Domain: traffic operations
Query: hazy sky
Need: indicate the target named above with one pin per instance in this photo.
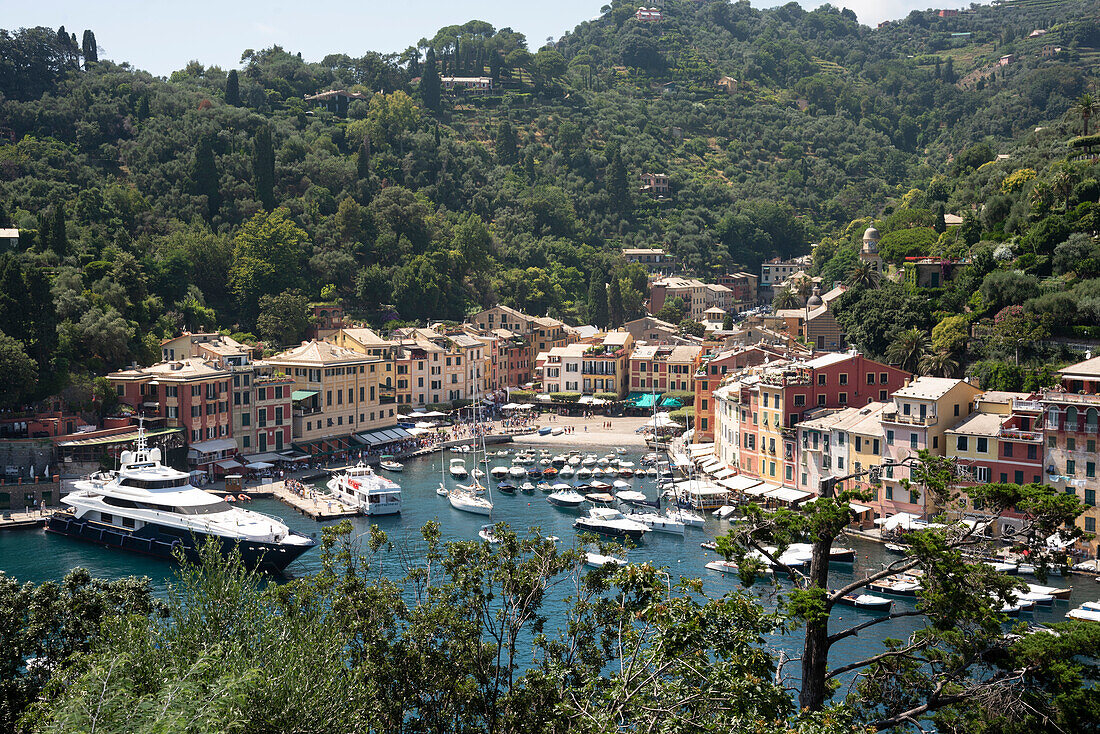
(162, 36)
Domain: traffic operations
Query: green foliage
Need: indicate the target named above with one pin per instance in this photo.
(19, 370)
(565, 397)
(267, 257)
(285, 317)
(897, 245)
(873, 318)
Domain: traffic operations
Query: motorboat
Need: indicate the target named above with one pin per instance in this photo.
(517, 472)
(574, 460)
(836, 555)
(545, 430)
(725, 512)
(527, 487)
(498, 472)
(478, 474)
(609, 521)
(729, 567)
(370, 493)
(584, 473)
(897, 585)
(390, 464)
(558, 430)
(442, 490)
(597, 560)
(558, 461)
(1083, 613)
(544, 487)
(468, 498)
(147, 507)
(599, 486)
(1029, 569)
(1057, 593)
(565, 498)
(486, 534)
(589, 460)
(901, 550)
(869, 602)
(457, 467)
(659, 523)
(620, 484)
(506, 488)
(566, 471)
(600, 498)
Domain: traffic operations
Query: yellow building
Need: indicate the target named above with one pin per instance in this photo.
(336, 392)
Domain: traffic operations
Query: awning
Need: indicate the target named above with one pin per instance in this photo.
(294, 456)
(858, 509)
(229, 464)
(711, 465)
(260, 465)
(906, 520)
(268, 457)
(303, 394)
(681, 461)
(739, 483)
(671, 403)
(382, 436)
(724, 473)
(120, 437)
(698, 449)
(786, 494)
(214, 446)
(762, 489)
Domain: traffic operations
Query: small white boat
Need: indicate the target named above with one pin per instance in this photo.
(558, 430)
(517, 472)
(574, 460)
(441, 490)
(558, 461)
(866, 601)
(729, 567)
(499, 472)
(620, 484)
(527, 487)
(1028, 569)
(596, 560)
(632, 497)
(478, 474)
(599, 486)
(486, 534)
(1090, 615)
(609, 521)
(589, 460)
(566, 471)
(584, 473)
(565, 498)
(389, 464)
(457, 467)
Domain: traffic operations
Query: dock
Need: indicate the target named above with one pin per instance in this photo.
(22, 520)
(318, 508)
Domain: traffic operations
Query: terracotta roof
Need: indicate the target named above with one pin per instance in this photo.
(319, 353)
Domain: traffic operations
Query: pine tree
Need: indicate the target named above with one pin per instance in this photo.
(204, 176)
(614, 302)
(597, 299)
(263, 167)
(429, 83)
(91, 52)
(232, 89)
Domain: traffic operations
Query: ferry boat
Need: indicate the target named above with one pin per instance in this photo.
(147, 507)
(371, 493)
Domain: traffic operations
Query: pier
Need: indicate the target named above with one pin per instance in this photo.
(20, 520)
(316, 507)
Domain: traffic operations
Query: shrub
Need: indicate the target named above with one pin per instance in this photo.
(565, 397)
(609, 396)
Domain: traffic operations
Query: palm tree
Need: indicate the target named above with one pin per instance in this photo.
(908, 348)
(938, 364)
(785, 298)
(803, 287)
(864, 274)
(1084, 106)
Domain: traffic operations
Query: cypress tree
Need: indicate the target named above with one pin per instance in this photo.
(941, 220)
(429, 83)
(58, 234)
(5, 221)
(204, 176)
(91, 52)
(506, 143)
(618, 184)
(14, 314)
(614, 302)
(949, 71)
(362, 163)
(597, 300)
(232, 89)
(263, 167)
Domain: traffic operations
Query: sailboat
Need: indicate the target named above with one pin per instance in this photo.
(472, 497)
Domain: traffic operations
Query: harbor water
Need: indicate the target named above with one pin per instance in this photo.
(32, 555)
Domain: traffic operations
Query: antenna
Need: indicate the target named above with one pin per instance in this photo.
(141, 445)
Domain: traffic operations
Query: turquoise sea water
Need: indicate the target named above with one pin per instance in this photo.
(31, 555)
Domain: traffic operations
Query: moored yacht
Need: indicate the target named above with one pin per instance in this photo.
(609, 521)
(147, 507)
(372, 494)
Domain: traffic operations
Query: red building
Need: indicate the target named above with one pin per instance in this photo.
(711, 370)
(773, 400)
(192, 394)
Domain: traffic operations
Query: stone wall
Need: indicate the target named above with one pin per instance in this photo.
(21, 496)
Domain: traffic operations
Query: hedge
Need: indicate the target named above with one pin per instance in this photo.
(565, 397)
(609, 396)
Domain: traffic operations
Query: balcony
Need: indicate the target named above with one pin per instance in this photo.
(1075, 398)
(1026, 406)
(1018, 435)
(300, 412)
(911, 420)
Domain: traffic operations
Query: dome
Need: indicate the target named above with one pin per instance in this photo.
(814, 300)
(870, 234)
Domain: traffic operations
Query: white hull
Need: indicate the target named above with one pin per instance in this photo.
(470, 503)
